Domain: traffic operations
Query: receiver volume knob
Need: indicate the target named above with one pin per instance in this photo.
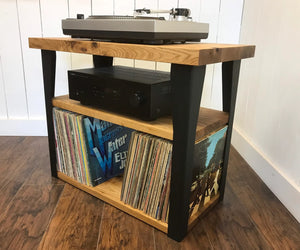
(136, 99)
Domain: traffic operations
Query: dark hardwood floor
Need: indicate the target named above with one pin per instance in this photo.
(41, 212)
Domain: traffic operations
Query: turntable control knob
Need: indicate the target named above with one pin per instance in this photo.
(136, 99)
(80, 16)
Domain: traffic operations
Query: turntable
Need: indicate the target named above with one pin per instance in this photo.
(139, 28)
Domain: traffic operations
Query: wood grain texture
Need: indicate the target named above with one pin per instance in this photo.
(75, 224)
(123, 232)
(209, 120)
(188, 54)
(275, 223)
(19, 164)
(110, 192)
(197, 238)
(27, 199)
(25, 220)
(229, 218)
(165, 243)
(250, 217)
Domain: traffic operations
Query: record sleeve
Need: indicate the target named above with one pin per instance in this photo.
(107, 148)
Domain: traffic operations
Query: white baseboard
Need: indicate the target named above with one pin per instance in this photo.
(16, 127)
(284, 188)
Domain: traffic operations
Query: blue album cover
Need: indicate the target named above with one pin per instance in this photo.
(107, 146)
(207, 169)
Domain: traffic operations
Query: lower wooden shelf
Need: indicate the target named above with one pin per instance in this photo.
(110, 192)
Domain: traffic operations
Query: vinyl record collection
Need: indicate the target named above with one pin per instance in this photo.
(92, 151)
(146, 181)
(89, 150)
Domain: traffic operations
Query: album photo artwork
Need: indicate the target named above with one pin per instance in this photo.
(207, 167)
(107, 148)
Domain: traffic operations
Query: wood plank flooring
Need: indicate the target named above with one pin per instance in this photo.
(41, 212)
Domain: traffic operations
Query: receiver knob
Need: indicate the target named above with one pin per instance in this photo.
(136, 99)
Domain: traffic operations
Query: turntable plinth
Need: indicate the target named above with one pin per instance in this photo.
(189, 54)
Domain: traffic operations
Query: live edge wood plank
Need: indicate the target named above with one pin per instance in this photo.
(188, 54)
(209, 120)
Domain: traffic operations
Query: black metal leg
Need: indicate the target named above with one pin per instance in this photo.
(102, 61)
(187, 84)
(49, 63)
(230, 79)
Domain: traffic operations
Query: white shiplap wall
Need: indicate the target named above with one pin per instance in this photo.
(22, 110)
(267, 119)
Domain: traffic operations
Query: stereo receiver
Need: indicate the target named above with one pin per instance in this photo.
(142, 93)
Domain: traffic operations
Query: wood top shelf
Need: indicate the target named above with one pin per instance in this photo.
(209, 120)
(189, 54)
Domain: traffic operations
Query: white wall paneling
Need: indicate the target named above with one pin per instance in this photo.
(163, 67)
(3, 107)
(268, 101)
(209, 13)
(52, 12)
(207, 87)
(79, 61)
(123, 62)
(30, 26)
(102, 7)
(123, 7)
(12, 61)
(167, 4)
(43, 18)
(230, 18)
(145, 64)
(228, 31)
(80, 7)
